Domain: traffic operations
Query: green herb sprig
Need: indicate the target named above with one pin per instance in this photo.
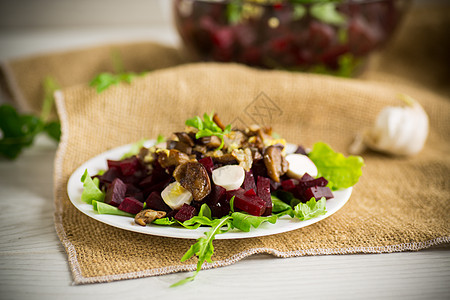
(207, 127)
(17, 131)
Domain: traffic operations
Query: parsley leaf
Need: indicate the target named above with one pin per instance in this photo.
(17, 131)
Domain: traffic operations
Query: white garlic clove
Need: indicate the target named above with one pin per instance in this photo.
(397, 130)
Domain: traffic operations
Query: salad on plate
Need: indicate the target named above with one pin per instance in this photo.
(213, 176)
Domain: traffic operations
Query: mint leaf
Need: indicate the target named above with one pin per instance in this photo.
(90, 189)
(310, 209)
(244, 222)
(341, 172)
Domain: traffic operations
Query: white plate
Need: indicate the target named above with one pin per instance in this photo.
(94, 165)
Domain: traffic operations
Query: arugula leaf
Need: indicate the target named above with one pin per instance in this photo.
(244, 221)
(204, 248)
(164, 221)
(134, 149)
(106, 209)
(280, 208)
(90, 189)
(310, 209)
(341, 172)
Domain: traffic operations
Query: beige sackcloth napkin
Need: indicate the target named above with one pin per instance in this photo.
(400, 204)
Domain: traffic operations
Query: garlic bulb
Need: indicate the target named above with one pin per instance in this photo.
(397, 130)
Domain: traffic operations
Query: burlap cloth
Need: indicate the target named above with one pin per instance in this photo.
(400, 204)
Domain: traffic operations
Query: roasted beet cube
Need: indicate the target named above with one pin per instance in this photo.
(250, 192)
(110, 175)
(129, 166)
(253, 205)
(318, 192)
(208, 163)
(306, 177)
(113, 164)
(289, 184)
(218, 202)
(115, 192)
(131, 205)
(314, 182)
(155, 202)
(249, 181)
(300, 150)
(185, 213)
(263, 188)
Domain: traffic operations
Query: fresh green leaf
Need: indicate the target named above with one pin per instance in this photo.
(134, 149)
(205, 211)
(105, 80)
(204, 248)
(90, 189)
(280, 208)
(207, 127)
(327, 13)
(53, 129)
(234, 11)
(160, 139)
(232, 204)
(244, 221)
(106, 209)
(195, 122)
(164, 221)
(341, 172)
(310, 209)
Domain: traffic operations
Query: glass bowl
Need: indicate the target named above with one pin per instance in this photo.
(333, 37)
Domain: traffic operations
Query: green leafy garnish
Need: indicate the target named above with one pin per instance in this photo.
(244, 221)
(17, 131)
(104, 80)
(327, 13)
(341, 172)
(204, 248)
(164, 221)
(91, 191)
(160, 139)
(103, 208)
(310, 209)
(134, 149)
(207, 127)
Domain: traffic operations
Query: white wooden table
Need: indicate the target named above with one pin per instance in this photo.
(33, 263)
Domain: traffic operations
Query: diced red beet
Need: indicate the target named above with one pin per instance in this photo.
(300, 150)
(249, 181)
(113, 164)
(274, 185)
(250, 192)
(131, 205)
(155, 202)
(218, 202)
(110, 175)
(253, 205)
(318, 192)
(314, 182)
(259, 168)
(156, 188)
(306, 177)
(115, 192)
(263, 188)
(185, 213)
(208, 163)
(289, 184)
(129, 166)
